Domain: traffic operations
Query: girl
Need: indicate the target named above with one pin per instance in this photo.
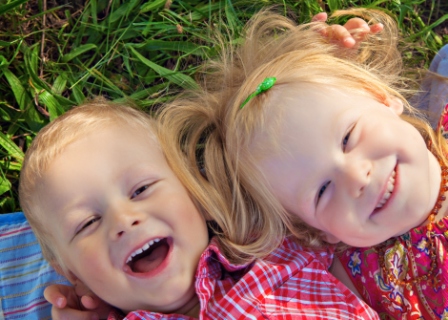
(326, 141)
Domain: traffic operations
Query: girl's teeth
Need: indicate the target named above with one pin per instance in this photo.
(390, 188)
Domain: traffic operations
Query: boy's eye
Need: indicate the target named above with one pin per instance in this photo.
(88, 223)
(139, 190)
(321, 191)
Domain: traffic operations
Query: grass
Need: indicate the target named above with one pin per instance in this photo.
(55, 55)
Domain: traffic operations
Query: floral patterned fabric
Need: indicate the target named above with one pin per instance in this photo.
(405, 257)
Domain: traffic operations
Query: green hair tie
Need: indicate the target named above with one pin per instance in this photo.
(267, 84)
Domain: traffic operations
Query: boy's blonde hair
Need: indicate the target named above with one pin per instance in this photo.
(274, 46)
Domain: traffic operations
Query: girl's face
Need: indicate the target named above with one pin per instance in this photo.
(349, 165)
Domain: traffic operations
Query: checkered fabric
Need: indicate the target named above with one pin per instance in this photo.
(291, 283)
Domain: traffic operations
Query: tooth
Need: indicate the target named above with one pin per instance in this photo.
(390, 187)
(143, 248)
(386, 196)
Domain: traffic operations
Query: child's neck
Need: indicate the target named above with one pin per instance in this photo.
(194, 311)
(192, 308)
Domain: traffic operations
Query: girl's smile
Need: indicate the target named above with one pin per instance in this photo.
(388, 191)
(347, 164)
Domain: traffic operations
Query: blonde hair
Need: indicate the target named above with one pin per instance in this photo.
(275, 46)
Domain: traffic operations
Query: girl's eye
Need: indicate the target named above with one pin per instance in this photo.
(322, 190)
(139, 190)
(345, 140)
(88, 223)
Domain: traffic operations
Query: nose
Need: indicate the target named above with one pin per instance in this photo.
(355, 175)
(122, 219)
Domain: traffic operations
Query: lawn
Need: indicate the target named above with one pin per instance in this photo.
(56, 54)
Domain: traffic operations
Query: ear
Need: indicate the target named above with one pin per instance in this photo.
(66, 273)
(395, 105)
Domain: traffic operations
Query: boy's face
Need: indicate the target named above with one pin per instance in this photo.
(111, 195)
(350, 166)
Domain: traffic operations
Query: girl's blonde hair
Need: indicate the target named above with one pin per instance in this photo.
(217, 132)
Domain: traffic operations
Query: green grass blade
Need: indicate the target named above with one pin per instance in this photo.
(78, 51)
(178, 78)
(53, 107)
(17, 89)
(15, 166)
(7, 7)
(60, 83)
(5, 185)
(12, 149)
(152, 6)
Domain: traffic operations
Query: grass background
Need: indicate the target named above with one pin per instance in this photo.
(55, 54)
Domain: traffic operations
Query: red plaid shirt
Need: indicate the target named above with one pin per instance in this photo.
(291, 283)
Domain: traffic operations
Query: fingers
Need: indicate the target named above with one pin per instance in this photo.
(68, 305)
(357, 24)
(56, 295)
(89, 302)
(72, 314)
(320, 17)
(352, 33)
(92, 302)
(376, 28)
(359, 29)
(341, 35)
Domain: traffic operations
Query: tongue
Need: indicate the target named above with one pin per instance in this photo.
(152, 261)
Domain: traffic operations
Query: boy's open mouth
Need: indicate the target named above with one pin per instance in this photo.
(149, 256)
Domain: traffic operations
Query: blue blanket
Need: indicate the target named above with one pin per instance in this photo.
(24, 273)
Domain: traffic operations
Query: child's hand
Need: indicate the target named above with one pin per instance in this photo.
(76, 303)
(351, 34)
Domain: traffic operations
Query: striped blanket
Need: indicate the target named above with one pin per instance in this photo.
(24, 273)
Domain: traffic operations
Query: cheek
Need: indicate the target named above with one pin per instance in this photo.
(90, 259)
